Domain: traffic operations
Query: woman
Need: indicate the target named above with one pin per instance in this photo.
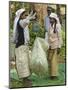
(21, 40)
(55, 42)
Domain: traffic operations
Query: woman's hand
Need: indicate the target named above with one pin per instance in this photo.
(33, 17)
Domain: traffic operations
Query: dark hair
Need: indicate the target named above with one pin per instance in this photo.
(49, 8)
(22, 14)
(55, 26)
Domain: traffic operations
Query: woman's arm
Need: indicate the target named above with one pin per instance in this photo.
(30, 16)
(52, 39)
(23, 23)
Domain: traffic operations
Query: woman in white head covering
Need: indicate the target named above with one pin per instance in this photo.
(20, 38)
(55, 42)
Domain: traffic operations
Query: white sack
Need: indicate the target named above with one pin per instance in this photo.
(38, 62)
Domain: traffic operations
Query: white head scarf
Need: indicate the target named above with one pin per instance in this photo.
(54, 15)
(18, 13)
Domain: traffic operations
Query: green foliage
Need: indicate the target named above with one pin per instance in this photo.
(62, 50)
(44, 81)
(33, 34)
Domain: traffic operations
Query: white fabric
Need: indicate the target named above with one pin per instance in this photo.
(22, 61)
(18, 13)
(26, 29)
(14, 29)
(55, 39)
(53, 15)
(38, 62)
(26, 35)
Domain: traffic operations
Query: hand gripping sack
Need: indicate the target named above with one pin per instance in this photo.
(38, 62)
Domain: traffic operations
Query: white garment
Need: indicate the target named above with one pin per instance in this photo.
(54, 15)
(22, 61)
(18, 13)
(55, 39)
(25, 23)
(14, 30)
(26, 35)
(58, 28)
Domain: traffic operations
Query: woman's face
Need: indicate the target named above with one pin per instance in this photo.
(49, 12)
(52, 20)
(24, 15)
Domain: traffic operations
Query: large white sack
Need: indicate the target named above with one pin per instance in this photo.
(38, 61)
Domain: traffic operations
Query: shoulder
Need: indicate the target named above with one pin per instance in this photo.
(21, 21)
(58, 25)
